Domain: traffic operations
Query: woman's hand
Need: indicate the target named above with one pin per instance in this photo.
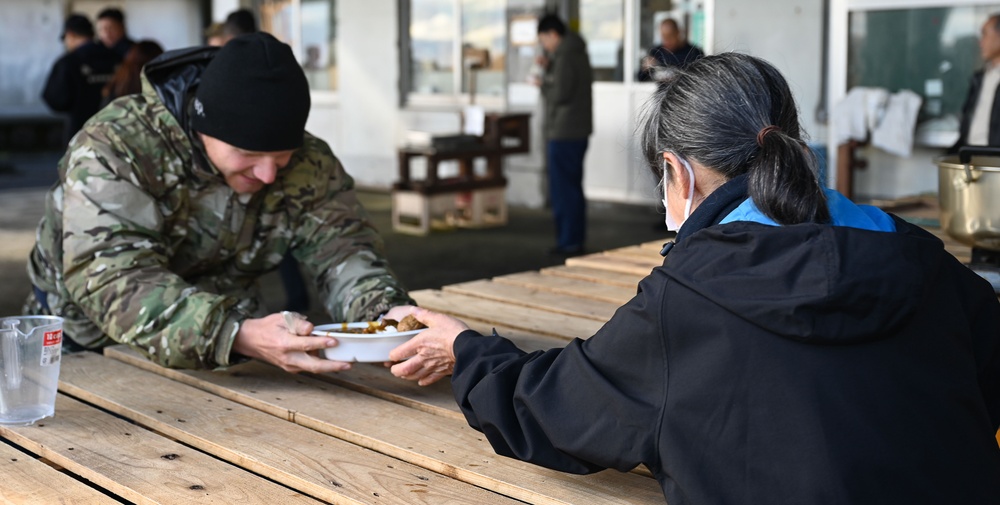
(290, 347)
(431, 353)
(399, 312)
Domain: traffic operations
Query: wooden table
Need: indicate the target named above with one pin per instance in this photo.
(130, 429)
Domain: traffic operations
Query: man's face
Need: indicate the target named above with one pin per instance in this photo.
(669, 37)
(245, 171)
(109, 31)
(989, 40)
(72, 41)
(549, 40)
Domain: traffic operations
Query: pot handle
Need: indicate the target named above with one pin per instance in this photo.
(965, 153)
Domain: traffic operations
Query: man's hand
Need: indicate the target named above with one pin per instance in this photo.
(270, 339)
(542, 61)
(431, 353)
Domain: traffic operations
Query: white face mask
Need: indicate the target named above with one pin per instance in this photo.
(671, 225)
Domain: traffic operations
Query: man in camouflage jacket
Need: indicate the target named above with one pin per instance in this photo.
(172, 203)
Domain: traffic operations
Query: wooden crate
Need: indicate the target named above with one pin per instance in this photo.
(417, 213)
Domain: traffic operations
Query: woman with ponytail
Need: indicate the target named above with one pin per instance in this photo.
(793, 347)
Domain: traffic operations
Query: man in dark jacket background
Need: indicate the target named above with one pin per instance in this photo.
(673, 51)
(75, 82)
(981, 113)
(112, 33)
(566, 89)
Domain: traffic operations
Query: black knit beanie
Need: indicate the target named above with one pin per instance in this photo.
(253, 95)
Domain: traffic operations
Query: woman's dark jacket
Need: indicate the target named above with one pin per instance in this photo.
(810, 364)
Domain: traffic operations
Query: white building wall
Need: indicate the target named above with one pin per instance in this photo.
(29, 45)
(787, 33)
(368, 113)
(222, 8)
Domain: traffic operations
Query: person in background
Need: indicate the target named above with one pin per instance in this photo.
(980, 124)
(794, 347)
(127, 79)
(111, 31)
(673, 52)
(75, 82)
(214, 35)
(173, 203)
(566, 88)
(238, 22)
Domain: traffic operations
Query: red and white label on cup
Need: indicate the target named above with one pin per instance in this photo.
(51, 347)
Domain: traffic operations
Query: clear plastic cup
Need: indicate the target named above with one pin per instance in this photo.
(30, 352)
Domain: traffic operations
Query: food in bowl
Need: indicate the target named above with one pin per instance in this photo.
(409, 323)
(367, 341)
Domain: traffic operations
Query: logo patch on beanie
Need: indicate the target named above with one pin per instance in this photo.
(199, 108)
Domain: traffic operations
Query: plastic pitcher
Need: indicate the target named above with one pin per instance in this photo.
(30, 351)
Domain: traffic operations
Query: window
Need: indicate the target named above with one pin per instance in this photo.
(930, 51)
(602, 25)
(310, 27)
(432, 46)
(457, 47)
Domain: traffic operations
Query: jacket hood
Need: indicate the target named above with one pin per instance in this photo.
(174, 76)
(815, 283)
(818, 283)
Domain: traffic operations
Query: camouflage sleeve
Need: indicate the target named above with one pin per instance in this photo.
(116, 257)
(337, 243)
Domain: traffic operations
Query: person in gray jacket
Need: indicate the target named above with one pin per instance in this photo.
(566, 88)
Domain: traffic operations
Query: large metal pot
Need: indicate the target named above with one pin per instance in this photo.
(969, 195)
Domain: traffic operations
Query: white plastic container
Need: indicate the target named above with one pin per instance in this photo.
(361, 347)
(30, 352)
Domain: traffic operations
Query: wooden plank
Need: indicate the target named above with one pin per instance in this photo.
(522, 318)
(567, 285)
(300, 458)
(369, 378)
(596, 275)
(439, 444)
(638, 252)
(612, 264)
(560, 303)
(136, 464)
(27, 481)
(633, 256)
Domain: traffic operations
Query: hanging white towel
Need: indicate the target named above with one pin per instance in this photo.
(894, 133)
(858, 113)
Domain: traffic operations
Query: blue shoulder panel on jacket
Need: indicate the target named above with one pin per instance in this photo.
(843, 211)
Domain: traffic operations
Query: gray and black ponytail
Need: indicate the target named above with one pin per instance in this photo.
(735, 114)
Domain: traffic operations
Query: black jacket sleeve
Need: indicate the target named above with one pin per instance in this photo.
(59, 93)
(984, 322)
(592, 405)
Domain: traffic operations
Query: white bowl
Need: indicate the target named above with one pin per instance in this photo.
(362, 347)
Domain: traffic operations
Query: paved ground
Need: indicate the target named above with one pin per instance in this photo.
(421, 262)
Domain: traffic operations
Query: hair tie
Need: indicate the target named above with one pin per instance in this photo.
(763, 133)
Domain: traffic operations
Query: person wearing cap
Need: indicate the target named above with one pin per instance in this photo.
(75, 82)
(111, 31)
(174, 202)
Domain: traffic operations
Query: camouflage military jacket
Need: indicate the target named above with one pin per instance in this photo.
(143, 243)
